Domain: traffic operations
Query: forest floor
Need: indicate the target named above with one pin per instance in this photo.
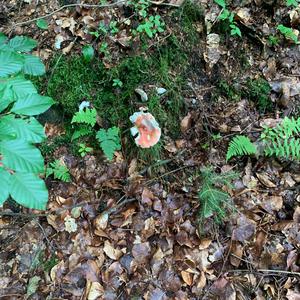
(132, 228)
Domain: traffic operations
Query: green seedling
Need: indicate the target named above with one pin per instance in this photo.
(84, 149)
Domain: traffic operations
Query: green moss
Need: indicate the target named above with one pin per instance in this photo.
(228, 90)
(71, 80)
(258, 90)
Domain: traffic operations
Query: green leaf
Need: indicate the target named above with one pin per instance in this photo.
(5, 185)
(292, 3)
(31, 105)
(109, 141)
(87, 116)
(19, 155)
(29, 130)
(42, 24)
(22, 44)
(33, 66)
(10, 63)
(6, 133)
(3, 38)
(29, 190)
(80, 132)
(21, 87)
(88, 53)
(222, 3)
(6, 96)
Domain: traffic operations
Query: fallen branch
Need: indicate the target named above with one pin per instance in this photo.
(275, 272)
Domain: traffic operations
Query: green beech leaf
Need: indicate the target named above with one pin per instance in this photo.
(88, 53)
(4, 183)
(3, 38)
(19, 155)
(22, 44)
(29, 190)
(33, 66)
(6, 132)
(222, 3)
(29, 130)
(42, 24)
(10, 63)
(31, 105)
(21, 87)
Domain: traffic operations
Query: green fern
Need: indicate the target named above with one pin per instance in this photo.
(282, 141)
(240, 145)
(59, 171)
(214, 201)
(109, 141)
(82, 131)
(87, 116)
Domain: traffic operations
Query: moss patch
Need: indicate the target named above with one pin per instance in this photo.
(72, 81)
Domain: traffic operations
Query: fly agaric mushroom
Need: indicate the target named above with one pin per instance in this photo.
(146, 128)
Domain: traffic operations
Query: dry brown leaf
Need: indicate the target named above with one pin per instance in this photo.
(101, 221)
(265, 180)
(187, 277)
(237, 251)
(186, 123)
(111, 252)
(95, 291)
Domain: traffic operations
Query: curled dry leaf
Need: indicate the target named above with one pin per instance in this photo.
(265, 180)
(101, 221)
(186, 123)
(141, 252)
(187, 277)
(111, 252)
(95, 291)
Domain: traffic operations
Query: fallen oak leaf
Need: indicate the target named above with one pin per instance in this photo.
(111, 252)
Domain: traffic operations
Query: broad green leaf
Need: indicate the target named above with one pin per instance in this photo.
(6, 132)
(3, 38)
(222, 3)
(4, 184)
(88, 53)
(22, 87)
(31, 105)
(42, 24)
(29, 130)
(10, 63)
(19, 155)
(29, 190)
(22, 44)
(6, 97)
(33, 66)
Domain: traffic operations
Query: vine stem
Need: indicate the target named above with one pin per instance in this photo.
(88, 6)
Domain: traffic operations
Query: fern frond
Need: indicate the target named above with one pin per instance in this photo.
(87, 116)
(240, 145)
(83, 131)
(214, 201)
(59, 171)
(211, 199)
(282, 141)
(109, 141)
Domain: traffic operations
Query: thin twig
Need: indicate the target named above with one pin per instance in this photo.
(275, 272)
(118, 206)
